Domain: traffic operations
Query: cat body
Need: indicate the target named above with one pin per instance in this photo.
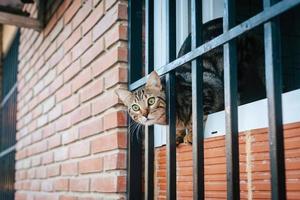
(147, 105)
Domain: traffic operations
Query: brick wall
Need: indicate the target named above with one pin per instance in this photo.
(71, 134)
(254, 166)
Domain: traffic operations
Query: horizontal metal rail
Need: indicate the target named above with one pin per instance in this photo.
(11, 91)
(236, 31)
(7, 151)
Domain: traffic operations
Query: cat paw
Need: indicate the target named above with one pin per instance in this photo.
(188, 138)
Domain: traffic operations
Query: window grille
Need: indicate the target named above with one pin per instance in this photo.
(268, 17)
(8, 121)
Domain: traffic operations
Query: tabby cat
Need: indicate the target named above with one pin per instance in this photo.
(147, 105)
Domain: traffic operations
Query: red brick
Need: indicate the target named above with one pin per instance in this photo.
(48, 130)
(47, 186)
(81, 46)
(110, 100)
(95, 16)
(54, 141)
(118, 32)
(115, 119)
(108, 20)
(70, 136)
(61, 154)
(92, 90)
(55, 113)
(65, 62)
(47, 158)
(109, 4)
(61, 184)
(53, 170)
(92, 53)
(73, 39)
(83, 78)
(117, 75)
(91, 165)
(115, 161)
(81, 113)
(31, 173)
(82, 13)
(36, 161)
(70, 104)
(80, 149)
(71, 71)
(109, 142)
(35, 185)
(41, 172)
(50, 25)
(66, 197)
(20, 195)
(79, 184)
(91, 128)
(108, 59)
(62, 8)
(63, 92)
(72, 11)
(69, 169)
(109, 184)
(46, 196)
(36, 136)
(63, 123)
(57, 83)
(38, 148)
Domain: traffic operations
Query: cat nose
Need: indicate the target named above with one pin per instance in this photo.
(145, 113)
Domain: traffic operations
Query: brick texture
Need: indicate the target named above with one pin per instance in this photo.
(254, 166)
(70, 128)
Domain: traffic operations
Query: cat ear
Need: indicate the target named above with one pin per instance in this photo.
(153, 82)
(124, 95)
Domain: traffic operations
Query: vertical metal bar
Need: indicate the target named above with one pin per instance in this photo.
(274, 90)
(134, 156)
(231, 114)
(135, 21)
(171, 137)
(171, 96)
(149, 131)
(197, 87)
(149, 36)
(149, 163)
(134, 163)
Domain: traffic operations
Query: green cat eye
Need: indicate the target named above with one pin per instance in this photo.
(135, 107)
(151, 101)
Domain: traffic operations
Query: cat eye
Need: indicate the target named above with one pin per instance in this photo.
(151, 101)
(135, 107)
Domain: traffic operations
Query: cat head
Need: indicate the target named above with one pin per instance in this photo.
(147, 105)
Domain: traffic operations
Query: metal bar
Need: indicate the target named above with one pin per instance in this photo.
(135, 20)
(197, 102)
(149, 163)
(7, 151)
(171, 96)
(149, 131)
(149, 36)
(274, 90)
(171, 137)
(134, 156)
(134, 163)
(247, 25)
(11, 91)
(230, 101)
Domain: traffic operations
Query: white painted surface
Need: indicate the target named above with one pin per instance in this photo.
(212, 9)
(255, 115)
